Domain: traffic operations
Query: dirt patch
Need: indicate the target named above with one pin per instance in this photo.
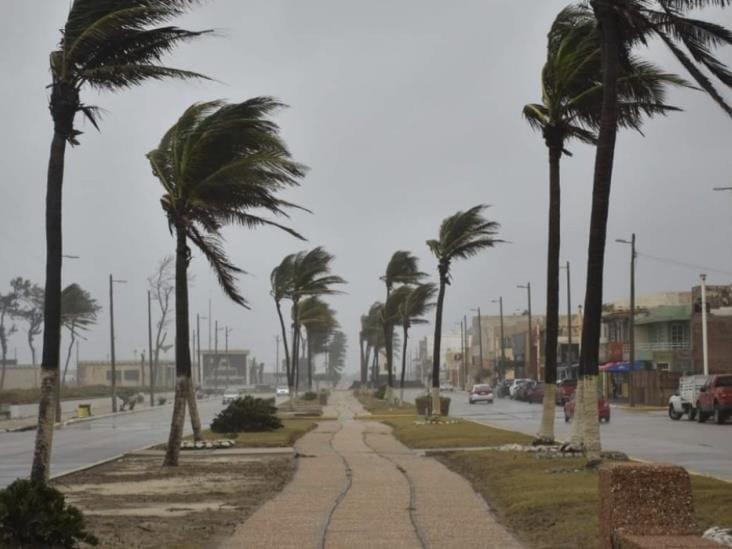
(134, 502)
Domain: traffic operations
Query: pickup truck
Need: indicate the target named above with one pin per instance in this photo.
(715, 399)
(684, 400)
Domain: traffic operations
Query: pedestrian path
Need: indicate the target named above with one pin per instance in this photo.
(357, 487)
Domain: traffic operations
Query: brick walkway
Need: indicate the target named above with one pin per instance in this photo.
(357, 487)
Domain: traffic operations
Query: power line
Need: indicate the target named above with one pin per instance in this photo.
(693, 266)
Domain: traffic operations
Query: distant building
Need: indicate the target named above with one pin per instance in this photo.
(21, 376)
(129, 373)
(719, 329)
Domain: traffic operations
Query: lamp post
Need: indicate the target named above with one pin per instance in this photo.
(569, 318)
(112, 281)
(149, 350)
(503, 340)
(530, 353)
(462, 350)
(631, 335)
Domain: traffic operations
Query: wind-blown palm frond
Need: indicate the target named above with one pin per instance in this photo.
(464, 234)
(221, 164)
(417, 303)
(402, 269)
(78, 308)
(311, 274)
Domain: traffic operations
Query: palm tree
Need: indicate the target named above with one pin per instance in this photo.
(462, 236)
(624, 25)
(281, 283)
(78, 313)
(570, 110)
(217, 164)
(336, 349)
(318, 319)
(311, 276)
(401, 269)
(107, 45)
(415, 303)
(373, 334)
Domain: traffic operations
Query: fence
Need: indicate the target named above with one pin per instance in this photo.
(653, 387)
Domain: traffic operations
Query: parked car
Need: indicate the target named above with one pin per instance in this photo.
(446, 386)
(282, 391)
(230, 395)
(480, 393)
(603, 409)
(534, 393)
(565, 389)
(523, 390)
(501, 390)
(517, 383)
(715, 399)
(684, 400)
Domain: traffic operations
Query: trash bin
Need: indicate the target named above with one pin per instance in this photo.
(83, 410)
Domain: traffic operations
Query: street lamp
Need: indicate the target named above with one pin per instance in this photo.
(112, 281)
(633, 256)
(569, 318)
(530, 357)
(503, 341)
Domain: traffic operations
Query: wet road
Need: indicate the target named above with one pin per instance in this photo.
(652, 436)
(88, 442)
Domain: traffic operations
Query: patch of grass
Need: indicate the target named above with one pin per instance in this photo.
(381, 407)
(553, 504)
(451, 435)
(292, 430)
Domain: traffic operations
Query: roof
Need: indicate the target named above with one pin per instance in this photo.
(664, 313)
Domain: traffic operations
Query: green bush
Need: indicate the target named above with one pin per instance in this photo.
(248, 414)
(380, 392)
(310, 396)
(33, 514)
(424, 405)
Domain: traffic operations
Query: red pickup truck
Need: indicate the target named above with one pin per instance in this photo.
(715, 399)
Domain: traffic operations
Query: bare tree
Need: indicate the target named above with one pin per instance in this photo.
(30, 309)
(162, 285)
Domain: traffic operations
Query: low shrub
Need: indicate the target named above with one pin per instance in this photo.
(33, 514)
(162, 400)
(424, 405)
(380, 392)
(309, 396)
(248, 414)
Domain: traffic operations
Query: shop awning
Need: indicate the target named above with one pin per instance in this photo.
(620, 367)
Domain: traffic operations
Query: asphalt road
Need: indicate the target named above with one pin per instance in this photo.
(85, 443)
(646, 435)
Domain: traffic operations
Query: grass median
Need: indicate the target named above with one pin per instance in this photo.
(548, 503)
(292, 429)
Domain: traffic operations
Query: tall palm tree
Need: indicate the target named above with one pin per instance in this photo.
(570, 110)
(462, 236)
(336, 349)
(281, 283)
(311, 276)
(415, 304)
(107, 45)
(219, 164)
(374, 336)
(78, 313)
(318, 319)
(625, 24)
(401, 269)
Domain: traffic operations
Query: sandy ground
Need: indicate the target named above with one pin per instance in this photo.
(133, 502)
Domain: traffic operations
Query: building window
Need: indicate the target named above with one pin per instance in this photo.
(679, 334)
(118, 375)
(663, 366)
(132, 375)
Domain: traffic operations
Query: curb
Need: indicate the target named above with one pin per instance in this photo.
(100, 462)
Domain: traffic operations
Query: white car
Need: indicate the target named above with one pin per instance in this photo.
(282, 391)
(446, 386)
(516, 384)
(480, 393)
(230, 395)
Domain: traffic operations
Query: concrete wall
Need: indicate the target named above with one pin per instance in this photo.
(22, 377)
(719, 337)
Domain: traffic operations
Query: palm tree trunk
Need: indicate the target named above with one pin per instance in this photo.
(310, 366)
(367, 360)
(546, 432)
(404, 364)
(438, 337)
(182, 351)
(362, 356)
(193, 412)
(604, 156)
(288, 368)
(4, 359)
(59, 386)
(63, 114)
(389, 350)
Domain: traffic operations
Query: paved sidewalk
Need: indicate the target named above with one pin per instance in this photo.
(357, 487)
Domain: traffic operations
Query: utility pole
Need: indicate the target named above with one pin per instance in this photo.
(111, 343)
(529, 354)
(631, 318)
(503, 339)
(209, 324)
(569, 320)
(468, 354)
(216, 349)
(705, 343)
(149, 350)
(277, 360)
(462, 350)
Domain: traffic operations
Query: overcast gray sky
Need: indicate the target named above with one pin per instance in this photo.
(405, 111)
